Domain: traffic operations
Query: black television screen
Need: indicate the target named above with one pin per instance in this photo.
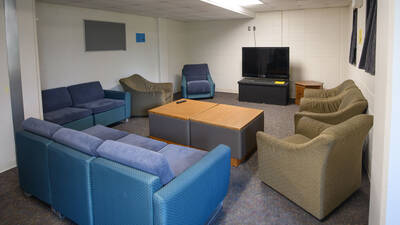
(104, 36)
(266, 62)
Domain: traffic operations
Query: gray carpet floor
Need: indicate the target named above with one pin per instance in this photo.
(249, 201)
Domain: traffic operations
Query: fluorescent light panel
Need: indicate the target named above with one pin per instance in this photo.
(237, 6)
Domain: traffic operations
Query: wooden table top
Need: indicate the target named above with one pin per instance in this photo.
(309, 83)
(227, 116)
(183, 110)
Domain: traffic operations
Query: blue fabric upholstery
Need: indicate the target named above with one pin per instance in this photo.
(202, 187)
(121, 194)
(105, 133)
(86, 92)
(78, 140)
(110, 116)
(102, 105)
(56, 98)
(198, 87)
(80, 124)
(138, 158)
(180, 157)
(144, 142)
(32, 160)
(194, 86)
(40, 127)
(66, 115)
(195, 72)
(126, 96)
(70, 183)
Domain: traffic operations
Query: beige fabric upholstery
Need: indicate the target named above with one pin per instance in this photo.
(318, 174)
(333, 110)
(327, 93)
(145, 94)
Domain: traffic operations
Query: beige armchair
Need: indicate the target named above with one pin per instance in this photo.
(333, 110)
(327, 93)
(145, 94)
(317, 168)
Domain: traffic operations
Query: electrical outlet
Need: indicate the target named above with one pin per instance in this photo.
(249, 28)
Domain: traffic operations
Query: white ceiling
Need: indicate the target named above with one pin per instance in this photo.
(190, 10)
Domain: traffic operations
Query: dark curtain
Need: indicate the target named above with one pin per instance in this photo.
(367, 60)
(353, 43)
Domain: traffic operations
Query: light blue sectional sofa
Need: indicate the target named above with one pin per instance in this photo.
(105, 176)
(84, 105)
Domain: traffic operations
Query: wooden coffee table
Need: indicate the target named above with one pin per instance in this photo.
(171, 121)
(205, 125)
(230, 125)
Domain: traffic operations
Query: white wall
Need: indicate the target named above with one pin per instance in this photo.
(29, 61)
(315, 38)
(7, 150)
(63, 60)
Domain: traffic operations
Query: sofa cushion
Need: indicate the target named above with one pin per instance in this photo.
(144, 142)
(195, 72)
(66, 115)
(86, 92)
(102, 105)
(297, 139)
(40, 127)
(56, 98)
(78, 140)
(138, 158)
(198, 87)
(105, 133)
(181, 158)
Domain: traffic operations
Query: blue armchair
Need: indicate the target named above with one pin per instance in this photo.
(197, 82)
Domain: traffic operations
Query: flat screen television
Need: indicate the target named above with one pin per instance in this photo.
(104, 36)
(265, 62)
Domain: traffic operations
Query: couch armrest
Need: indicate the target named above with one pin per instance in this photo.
(120, 95)
(192, 197)
(184, 87)
(320, 105)
(212, 84)
(310, 128)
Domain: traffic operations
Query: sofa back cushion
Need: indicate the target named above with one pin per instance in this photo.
(40, 127)
(195, 72)
(138, 158)
(56, 98)
(350, 97)
(78, 140)
(86, 92)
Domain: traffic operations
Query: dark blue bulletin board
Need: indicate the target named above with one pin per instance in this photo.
(140, 37)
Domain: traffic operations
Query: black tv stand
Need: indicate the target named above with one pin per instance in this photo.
(264, 90)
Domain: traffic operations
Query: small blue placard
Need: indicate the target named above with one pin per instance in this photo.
(140, 37)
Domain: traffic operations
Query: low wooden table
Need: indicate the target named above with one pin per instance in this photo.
(205, 125)
(171, 121)
(301, 85)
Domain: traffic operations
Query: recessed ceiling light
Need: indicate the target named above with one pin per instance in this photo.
(248, 2)
(238, 6)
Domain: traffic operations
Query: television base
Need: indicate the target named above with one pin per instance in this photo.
(264, 90)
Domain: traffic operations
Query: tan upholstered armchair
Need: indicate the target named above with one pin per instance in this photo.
(317, 168)
(327, 93)
(145, 94)
(333, 110)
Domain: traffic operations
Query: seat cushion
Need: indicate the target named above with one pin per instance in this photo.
(195, 72)
(144, 142)
(86, 92)
(105, 133)
(138, 158)
(78, 140)
(40, 127)
(198, 87)
(297, 139)
(66, 115)
(102, 105)
(56, 98)
(181, 158)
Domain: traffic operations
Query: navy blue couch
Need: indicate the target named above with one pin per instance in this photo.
(197, 82)
(105, 176)
(83, 105)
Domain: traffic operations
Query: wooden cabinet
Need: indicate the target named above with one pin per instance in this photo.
(301, 85)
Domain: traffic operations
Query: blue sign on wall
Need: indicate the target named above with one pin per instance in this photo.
(140, 37)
